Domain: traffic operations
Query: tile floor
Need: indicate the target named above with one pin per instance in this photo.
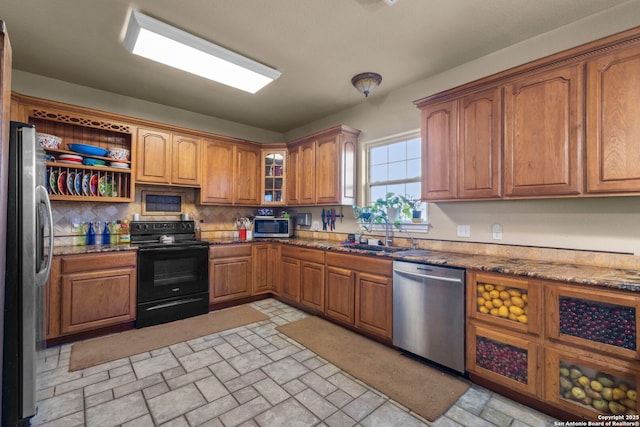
(248, 376)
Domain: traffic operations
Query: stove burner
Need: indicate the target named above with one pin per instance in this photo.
(162, 233)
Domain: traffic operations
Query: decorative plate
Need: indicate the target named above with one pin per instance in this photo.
(62, 183)
(53, 182)
(70, 183)
(86, 184)
(78, 183)
(93, 185)
(106, 186)
(91, 150)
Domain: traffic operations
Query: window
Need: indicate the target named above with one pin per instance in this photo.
(394, 166)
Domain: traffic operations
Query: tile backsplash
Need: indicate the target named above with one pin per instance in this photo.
(215, 221)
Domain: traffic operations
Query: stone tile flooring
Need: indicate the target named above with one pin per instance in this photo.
(247, 376)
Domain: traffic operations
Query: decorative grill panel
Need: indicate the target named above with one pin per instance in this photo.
(81, 121)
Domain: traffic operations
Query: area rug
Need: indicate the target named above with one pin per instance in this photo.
(106, 349)
(426, 391)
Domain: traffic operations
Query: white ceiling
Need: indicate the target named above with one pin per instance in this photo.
(318, 45)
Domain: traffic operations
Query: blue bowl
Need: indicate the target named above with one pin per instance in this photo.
(90, 150)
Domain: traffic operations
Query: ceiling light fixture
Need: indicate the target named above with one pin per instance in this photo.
(366, 82)
(171, 46)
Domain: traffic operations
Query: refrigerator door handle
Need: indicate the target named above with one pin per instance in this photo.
(43, 197)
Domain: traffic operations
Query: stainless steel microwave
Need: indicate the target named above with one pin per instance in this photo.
(273, 227)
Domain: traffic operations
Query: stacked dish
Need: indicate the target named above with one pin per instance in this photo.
(90, 150)
(119, 165)
(70, 158)
(94, 162)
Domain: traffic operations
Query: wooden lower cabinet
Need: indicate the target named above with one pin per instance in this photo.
(90, 291)
(302, 276)
(591, 386)
(290, 278)
(340, 295)
(265, 266)
(229, 272)
(506, 358)
(312, 285)
(577, 354)
(359, 292)
(374, 304)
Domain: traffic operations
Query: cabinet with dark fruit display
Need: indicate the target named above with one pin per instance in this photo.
(507, 358)
(591, 386)
(506, 301)
(595, 319)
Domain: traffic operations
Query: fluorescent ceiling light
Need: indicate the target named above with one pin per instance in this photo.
(171, 46)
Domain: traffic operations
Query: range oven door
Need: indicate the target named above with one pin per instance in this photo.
(172, 271)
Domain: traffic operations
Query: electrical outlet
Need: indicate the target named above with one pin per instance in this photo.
(496, 230)
(464, 231)
(316, 225)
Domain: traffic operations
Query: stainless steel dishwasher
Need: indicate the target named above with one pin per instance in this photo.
(428, 312)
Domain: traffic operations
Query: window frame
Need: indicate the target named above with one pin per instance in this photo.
(365, 149)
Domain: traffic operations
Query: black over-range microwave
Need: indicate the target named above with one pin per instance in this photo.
(273, 227)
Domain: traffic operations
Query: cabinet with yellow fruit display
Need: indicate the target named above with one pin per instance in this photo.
(507, 301)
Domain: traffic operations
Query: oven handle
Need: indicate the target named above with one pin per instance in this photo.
(172, 303)
(171, 248)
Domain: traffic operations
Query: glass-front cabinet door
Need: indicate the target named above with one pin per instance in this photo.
(273, 177)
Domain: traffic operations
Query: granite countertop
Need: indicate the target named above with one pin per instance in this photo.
(612, 278)
(91, 249)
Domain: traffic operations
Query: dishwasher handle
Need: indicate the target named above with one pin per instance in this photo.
(428, 276)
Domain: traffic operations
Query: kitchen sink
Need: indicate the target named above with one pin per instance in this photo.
(376, 248)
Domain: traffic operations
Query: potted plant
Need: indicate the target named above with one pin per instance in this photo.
(415, 205)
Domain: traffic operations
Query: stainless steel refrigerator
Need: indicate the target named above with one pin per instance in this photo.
(29, 228)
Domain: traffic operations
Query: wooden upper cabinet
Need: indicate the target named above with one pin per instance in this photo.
(293, 181)
(480, 145)
(462, 146)
(185, 160)
(154, 156)
(613, 122)
(321, 168)
(230, 173)
(543, 133)
(166, 158)
(246, 178)
(439, 150)
(217, 172)
(307, 173)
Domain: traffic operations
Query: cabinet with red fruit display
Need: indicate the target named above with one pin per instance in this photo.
(507, 358)
(506, 301)
(595, 319)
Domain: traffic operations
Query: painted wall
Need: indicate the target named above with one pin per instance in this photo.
(57, 90)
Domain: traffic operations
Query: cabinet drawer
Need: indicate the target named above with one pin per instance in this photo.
(361, 263)
(229, 251)
(297, 252)
(603, 320)
(590, 387)
(506, 358)
(93, 262)
(505, 300)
